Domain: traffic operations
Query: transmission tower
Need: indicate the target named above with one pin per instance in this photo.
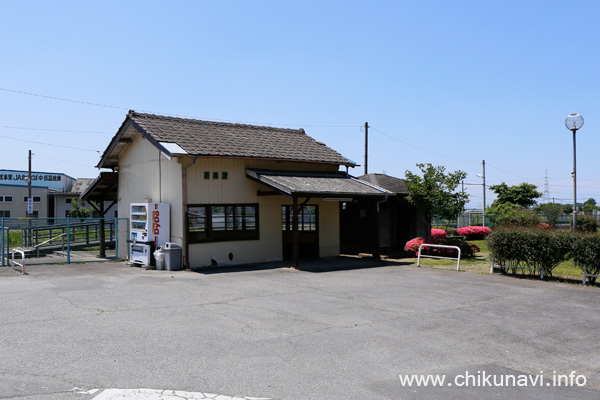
(546, 190)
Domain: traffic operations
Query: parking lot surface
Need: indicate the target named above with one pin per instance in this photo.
(335, 329)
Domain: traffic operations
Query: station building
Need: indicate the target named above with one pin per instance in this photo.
(238, 193)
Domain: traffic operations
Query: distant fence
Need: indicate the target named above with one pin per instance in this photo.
(476, 219)
(64, 240)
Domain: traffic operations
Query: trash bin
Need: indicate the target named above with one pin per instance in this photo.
(159, 256)
(172, 256)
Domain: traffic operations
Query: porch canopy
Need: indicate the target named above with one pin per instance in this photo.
(334, 186)
(104, 188)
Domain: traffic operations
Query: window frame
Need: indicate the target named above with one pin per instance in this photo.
(33, 197)
(227, 229)
(286, 225)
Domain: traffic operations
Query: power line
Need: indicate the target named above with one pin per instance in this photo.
(63, 99)
(48, 144)
(422, 149)
(68, 162)
(169, 114)
(49, 130)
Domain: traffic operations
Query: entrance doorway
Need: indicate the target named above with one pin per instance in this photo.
(308, 231)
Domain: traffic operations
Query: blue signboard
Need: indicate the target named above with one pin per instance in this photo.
(60, 182)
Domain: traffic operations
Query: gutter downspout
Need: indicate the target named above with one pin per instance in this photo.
(186, 244)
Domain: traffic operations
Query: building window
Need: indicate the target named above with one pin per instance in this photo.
(4, 214)
(36, 199)
(222, 222)
(224, 175)
(307, 218)
(68, 200)
(215, 175)
(35, 214)
(6, 199)
(206, 174)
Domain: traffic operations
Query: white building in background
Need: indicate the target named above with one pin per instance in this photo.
(14, 192)
(52, 194)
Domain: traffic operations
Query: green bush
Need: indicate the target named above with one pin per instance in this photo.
(586, 223)
(518, 218)
(586, 250)
(530, 248)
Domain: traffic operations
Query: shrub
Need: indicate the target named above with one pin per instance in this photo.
(474, 232)
(530, 248)
(466, 249)
(586, 223)
(438, 233)
(586, 250)
(518, 218)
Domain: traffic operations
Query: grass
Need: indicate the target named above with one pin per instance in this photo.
(564, 272)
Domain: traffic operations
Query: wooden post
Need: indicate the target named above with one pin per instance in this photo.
(102, 237)
(376, 241)
(295, 244)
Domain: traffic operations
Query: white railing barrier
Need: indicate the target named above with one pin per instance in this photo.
(585, 275)
(494, 265)
(13, 262)
(446, 258)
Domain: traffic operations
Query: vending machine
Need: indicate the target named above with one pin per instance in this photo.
(149, 227)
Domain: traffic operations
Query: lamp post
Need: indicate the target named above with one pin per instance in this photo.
(482, 176)
(574, 122)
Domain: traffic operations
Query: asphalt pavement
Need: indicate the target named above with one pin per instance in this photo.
(335, 329)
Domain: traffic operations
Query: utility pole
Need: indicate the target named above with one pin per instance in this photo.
(29, 199)
(366, 146)
(29, 212)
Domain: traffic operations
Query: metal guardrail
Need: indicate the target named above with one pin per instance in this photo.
(494, 265)
(13, 262)
(585, 275)
(446, 258)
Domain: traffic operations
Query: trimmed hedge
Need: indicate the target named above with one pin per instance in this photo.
(544, 249)
(586, 250)
(530, 248)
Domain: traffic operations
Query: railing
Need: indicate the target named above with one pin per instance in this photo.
(494, 265)
(441, 246)
(13, 262)
(78, 233)
(585, 275)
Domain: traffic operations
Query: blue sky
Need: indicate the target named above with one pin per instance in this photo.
(450, 83)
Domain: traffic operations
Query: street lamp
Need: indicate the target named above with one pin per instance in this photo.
(574, 122)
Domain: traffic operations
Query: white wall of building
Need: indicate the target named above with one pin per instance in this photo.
(144, 173)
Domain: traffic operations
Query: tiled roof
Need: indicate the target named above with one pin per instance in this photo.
(316, 184)
(206, 138)
(394, 185)
(81, 184)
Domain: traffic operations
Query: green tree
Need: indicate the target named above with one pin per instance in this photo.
(551, 211)
(567, 208)
(590, 201)
(523, 195)
(78, 210)
(588, 208)
(433, 193)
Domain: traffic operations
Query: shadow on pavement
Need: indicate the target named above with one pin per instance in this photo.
(332, 264)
